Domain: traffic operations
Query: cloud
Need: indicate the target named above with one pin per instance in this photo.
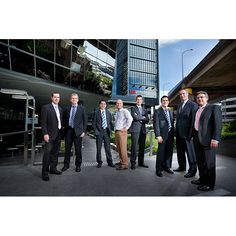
(164, 42)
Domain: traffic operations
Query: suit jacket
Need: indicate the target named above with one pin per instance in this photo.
(139, 120)
(160, 123)
(97, 121)
(210, 124)
(80, 120)
(184, 118)
(49, 120)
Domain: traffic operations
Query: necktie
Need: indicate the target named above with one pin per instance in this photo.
(181, 107)
(140, 110)
(168, 118)
(198, 115)
(58, 117)
(72, 117)
(104, 122)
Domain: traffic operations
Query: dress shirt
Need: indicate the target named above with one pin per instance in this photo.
(197, 117)
(123, 119)
(55, 106)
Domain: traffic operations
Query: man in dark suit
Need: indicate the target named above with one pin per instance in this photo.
(183, 124)
(52, 123)
(75, 129)
(138, 132)
(206, 133)
(102, 125)
(163, 123)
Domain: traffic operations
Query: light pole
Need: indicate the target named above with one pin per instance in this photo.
(182, 57)
(163, 87)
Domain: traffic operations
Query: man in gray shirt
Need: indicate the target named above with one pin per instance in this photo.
(123, 121)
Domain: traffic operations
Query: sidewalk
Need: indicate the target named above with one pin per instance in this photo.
(18, 180)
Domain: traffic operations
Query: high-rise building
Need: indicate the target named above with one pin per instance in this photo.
(136, 71)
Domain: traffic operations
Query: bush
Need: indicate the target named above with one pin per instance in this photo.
(229, 130)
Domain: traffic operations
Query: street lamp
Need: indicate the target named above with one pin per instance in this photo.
(182, 57)
(163, 86)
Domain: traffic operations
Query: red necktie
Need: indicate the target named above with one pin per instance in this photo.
(198, 115)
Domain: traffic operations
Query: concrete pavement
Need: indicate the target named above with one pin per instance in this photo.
(19, 180)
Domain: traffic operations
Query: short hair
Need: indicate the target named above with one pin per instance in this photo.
(74, 94)
(138, 96)
(54, 93)
(185, 89)
(102, 100)
(164, 97)
(203, 92)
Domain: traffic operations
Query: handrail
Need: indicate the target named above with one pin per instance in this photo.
(14, 133)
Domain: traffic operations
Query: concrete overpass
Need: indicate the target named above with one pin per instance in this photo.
(215, 74)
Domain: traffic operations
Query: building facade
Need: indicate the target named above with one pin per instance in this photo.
(228, 107)
(136, 71)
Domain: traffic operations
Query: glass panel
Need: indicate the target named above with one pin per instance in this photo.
(4, 58)
(63, 52)
(64, 76)
(45, 70)
(26, 45)
(22, 62)
(45, 49)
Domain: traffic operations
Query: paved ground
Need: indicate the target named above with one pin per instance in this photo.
(18, 180)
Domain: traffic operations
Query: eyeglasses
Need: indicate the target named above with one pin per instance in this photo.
(201, 97)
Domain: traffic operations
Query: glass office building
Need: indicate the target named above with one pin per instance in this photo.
(136, 70)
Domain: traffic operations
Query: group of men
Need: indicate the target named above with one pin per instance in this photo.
(198, 128)
(198, 131)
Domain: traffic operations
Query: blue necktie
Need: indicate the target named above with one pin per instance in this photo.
(72, 117)
(104, 122)
(168, 118)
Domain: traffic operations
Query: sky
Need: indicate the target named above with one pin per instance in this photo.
(170, 59)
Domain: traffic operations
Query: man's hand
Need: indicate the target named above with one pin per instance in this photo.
(46, 138)
(160, 139)
(82, 135)
(214, 143)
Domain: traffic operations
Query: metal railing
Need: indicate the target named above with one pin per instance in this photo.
(26, 138)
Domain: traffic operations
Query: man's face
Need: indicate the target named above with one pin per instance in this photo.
(201, 99)
(55, 98)
(139, 101)
(119, 104)
(102, 105)
(183, 94)
(74, 100)
(165, 102)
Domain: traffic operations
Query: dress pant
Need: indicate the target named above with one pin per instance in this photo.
(183, 146)
(138, 140)
(206, 161)
(51, 152)
(121, 144)
(165, 153)
(103, 136)
(71, 138)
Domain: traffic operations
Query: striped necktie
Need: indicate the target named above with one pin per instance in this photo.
(104, 122)
(168, 118)
(72, 117)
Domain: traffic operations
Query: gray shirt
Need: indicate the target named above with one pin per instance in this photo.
(123, 119)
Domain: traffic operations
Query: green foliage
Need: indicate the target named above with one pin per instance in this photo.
(229, 130)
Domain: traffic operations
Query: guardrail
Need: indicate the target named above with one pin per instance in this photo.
(26, 134)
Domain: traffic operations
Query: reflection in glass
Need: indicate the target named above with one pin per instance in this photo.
(44, 70)
(45, 49)
(4, 58)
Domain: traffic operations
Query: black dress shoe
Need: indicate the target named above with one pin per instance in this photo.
(133, 167)
(45, 177)
(78, 169)
(118, 164)
(189, 175)
(179, 169)
(99, 165)
(169, 171)
(143, 165)
(159, 174)
(55, 172)
(197, 182)
(111, 165)
(204, 188)
(65, 168)
(121, 168)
